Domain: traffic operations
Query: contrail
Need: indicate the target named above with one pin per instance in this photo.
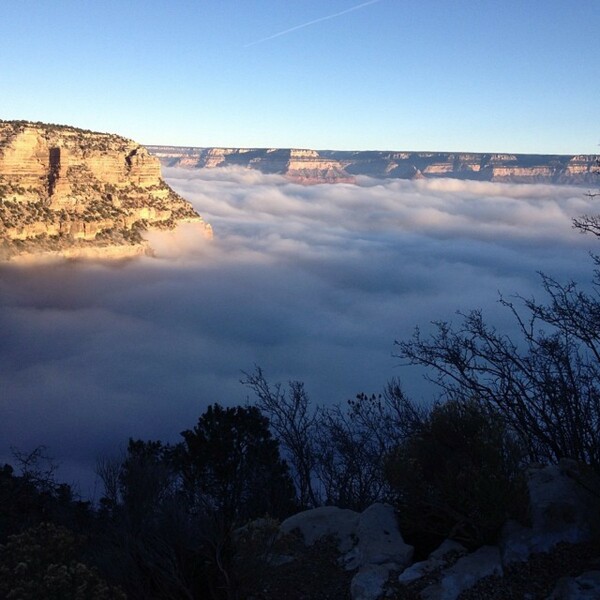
(319, 20)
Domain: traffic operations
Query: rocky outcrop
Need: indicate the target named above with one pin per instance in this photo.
(301, 166)
(69, 191)
(322, 522)
(584, 587)
(465, 573)
(563, 514)
(368, 538)
(447, 554)
(562, 509)
(331, 166)
(369, 542)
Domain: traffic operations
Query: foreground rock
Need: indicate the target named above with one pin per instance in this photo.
(584, 587)
(325, 521)
(465, 573)
(363, 556)
(371, 581)
(563, 512)
(562, 509)
(70, 192)
(369, 541)
(447, 554)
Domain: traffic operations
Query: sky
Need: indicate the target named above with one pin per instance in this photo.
(310, 283)
(485, 76)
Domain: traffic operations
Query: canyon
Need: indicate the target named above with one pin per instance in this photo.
(75, 193)
(332, 166)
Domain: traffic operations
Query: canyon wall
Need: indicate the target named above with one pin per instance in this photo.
(74, 192)
(331, 166)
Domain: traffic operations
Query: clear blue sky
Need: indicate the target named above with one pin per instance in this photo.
(478, 75)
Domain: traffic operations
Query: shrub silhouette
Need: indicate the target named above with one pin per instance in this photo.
(458, 477)
(230, 464)
(42, 564)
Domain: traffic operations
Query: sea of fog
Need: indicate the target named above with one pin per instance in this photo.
(311, 283)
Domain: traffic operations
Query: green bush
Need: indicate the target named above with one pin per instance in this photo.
(42, 564)
(458, 477)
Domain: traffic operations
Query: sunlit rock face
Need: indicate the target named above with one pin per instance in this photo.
(332, 166)
(307, 166)
(72, 192)
(301, 166)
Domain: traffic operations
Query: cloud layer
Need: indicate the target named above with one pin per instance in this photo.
(311, 283)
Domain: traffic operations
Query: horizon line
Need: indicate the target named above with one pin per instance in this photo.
(251, 148)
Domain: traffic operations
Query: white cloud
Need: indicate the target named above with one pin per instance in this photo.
(311, 283)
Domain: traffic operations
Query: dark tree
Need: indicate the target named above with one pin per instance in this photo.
(352, 442)
(336, 452)
(147, 481)
(459, 476)
(29, 495)
(231, 465)
(294, 422)
(149, 543)
(546, 382)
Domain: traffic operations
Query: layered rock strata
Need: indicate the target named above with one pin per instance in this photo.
(76, 193)
(302, 166)
(330, 166)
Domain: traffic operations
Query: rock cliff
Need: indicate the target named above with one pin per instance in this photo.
(331, 166)
(302, 166)
(74, 192)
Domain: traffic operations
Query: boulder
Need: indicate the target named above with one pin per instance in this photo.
(325, 521)
(368, 538)
(379, 539)
(465, 573)
(370, 581)
(438, 559)
(584, 587)
(561, 510)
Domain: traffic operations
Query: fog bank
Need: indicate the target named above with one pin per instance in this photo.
(311, 283)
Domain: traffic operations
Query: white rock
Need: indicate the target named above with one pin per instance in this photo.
(584, 587)
(437, 559)
(561, 511)
(324, 521)
(558, 503)
(379, 539)
(371, 537)
(516, 542)
(369, 582)
(465, 573)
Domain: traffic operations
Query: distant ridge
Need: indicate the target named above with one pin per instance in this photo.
(335, 166)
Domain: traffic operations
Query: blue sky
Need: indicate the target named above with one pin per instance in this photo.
(513, 76)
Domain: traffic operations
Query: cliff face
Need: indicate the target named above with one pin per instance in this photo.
(303, 166)
(330, 166)
(73, 192)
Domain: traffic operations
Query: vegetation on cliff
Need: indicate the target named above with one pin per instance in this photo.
(63, 189)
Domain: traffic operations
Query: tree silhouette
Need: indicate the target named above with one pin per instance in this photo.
(231, 465)
(545, 382)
